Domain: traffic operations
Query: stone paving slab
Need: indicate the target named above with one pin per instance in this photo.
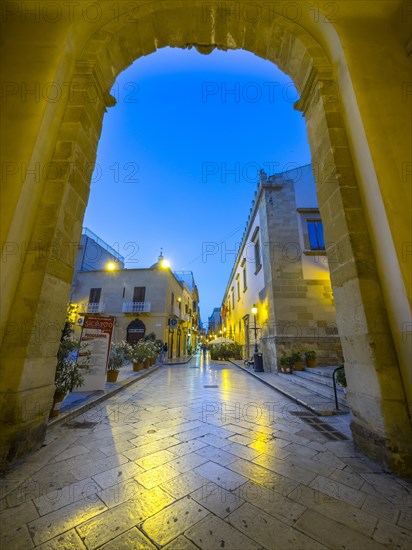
(80, 402)
(153, 470)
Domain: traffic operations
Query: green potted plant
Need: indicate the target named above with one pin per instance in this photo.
(152, 352)
(286, 364)
(152, 349)
(310, 357)
(69, 375)
(297, 360)
(119, 353)
(145, 352)
(214, 353)
(137, 356)
(159, 345)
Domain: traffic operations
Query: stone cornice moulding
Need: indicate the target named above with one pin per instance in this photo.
(91, 69)
(312, 87)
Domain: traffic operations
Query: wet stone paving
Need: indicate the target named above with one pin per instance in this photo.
(201, 456)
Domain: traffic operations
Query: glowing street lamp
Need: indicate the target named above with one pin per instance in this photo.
(164, 264)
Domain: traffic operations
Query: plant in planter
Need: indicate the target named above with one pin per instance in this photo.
(153, 348)
(153, 352)
(137, 356)
(148, 352)
(286, 364)
(120, 352)
(297, 360)
(69, 375)
(310, 357)
(341, 379)
(159, 345)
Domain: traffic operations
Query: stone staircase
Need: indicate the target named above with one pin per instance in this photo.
(319, 381)
(311, 388)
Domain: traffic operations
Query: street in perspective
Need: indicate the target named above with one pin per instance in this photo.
(202, 455)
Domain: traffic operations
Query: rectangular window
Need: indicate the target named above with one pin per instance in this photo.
(233, 298)
(244, 278)
(258, 263)
(315, 231)
(139, 293)
(172, 299)
(238, 287)
(95, 294)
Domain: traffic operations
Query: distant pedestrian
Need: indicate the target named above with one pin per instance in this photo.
(164, 352)
(204, 349)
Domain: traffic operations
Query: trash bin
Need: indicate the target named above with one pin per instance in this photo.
(258, 362)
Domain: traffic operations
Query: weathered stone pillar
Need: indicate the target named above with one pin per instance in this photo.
(32, 333)
(381, 424)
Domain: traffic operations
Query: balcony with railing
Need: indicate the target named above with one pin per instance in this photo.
(176, 311)
(92, 307)
(136, 307)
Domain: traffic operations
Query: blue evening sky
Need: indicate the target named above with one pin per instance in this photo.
(179, 155)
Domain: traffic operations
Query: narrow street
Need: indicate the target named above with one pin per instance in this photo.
(201, 456)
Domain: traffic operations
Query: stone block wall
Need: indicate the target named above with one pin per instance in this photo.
(302, 312)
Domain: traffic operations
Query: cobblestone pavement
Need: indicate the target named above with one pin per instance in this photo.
(201, 456)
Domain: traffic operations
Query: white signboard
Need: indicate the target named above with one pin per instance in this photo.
(95, 338)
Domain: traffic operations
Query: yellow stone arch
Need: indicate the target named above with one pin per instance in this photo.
(48, 175)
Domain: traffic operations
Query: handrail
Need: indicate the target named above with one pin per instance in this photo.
(334, 387)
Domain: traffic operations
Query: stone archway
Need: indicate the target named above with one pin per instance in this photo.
(376, 394)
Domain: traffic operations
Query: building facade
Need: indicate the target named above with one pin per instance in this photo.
(214, 322)
(148, 300)
(282, 269)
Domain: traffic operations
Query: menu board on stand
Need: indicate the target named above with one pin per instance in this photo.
(95, 339)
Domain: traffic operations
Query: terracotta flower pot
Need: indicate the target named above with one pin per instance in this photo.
(311, 363)
(137, 366)
(57, 402)
(146, 364)
(112, 375)
(298, 365)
